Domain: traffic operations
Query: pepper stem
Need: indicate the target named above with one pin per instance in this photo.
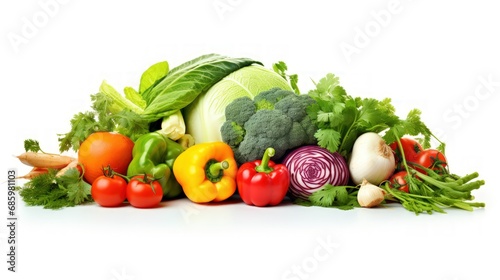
(264, 164)
(215, 169)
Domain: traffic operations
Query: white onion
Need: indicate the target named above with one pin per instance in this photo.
(371, 159)
(312, 167)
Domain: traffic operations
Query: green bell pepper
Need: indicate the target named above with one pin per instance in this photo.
(154, 154)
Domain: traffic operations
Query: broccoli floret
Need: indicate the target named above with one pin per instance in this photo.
(251, 148)
(294, 106)
(240, 110)
(268, 123)
(297, 135)
(267, 99)
(232, 133)
(310, 129)
(277, 118)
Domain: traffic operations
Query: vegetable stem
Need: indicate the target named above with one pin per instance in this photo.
(264, 165)
(215, 169)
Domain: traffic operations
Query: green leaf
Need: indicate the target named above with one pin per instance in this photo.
(326, 86)
(342, 197)
(185, 82)
(46, 190)
(376, 116)
(412, 125)
(82, 125)
(130, 124)
(32, 145)
(132, 95)
(280, 68)
(328, 138)
(152, 75)
(119, 102)
(78, 190)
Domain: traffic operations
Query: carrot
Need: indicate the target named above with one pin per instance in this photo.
(44, 160)
(33, 173)
(73, 164)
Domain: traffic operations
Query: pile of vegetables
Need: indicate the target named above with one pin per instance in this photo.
(208, 128)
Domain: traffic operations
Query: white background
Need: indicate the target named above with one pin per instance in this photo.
(422, 54)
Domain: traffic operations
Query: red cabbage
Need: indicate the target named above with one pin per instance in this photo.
(312, 167)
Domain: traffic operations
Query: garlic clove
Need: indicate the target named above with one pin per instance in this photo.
(370, 195)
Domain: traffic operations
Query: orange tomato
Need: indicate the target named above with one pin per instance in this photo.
(102, 149)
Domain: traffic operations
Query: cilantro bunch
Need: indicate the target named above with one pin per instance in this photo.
(341, 118)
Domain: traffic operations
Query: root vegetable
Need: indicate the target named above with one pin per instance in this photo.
(33, 173)
(44, 160)
(73, 164)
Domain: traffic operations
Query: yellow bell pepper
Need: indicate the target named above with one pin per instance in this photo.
(207, 172)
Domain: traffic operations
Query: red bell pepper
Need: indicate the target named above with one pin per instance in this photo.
(263, 182)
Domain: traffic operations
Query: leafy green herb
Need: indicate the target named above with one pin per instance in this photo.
(103, 116)
(54, 192)
(31, 145)
(78, 190)
(341, 118)
(280, 67)
(341, 197)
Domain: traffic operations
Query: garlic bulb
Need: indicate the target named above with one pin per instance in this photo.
(370, 195)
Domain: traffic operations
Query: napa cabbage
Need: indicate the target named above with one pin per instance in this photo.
(206, 114)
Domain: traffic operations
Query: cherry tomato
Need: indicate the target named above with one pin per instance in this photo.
(398, 181)
(411, 148)
(143, 192)
(432, 159)
(109, 191)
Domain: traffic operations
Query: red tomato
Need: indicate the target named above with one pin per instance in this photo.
(398, 181)
(144, 193)
(411, 148)
(432, 159)
(109, 191)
